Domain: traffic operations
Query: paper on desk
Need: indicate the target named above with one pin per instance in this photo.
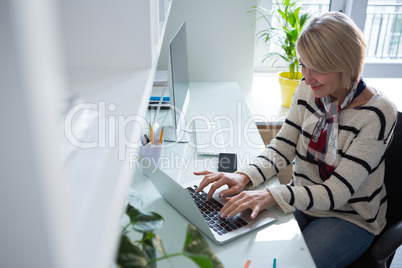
(260, 264)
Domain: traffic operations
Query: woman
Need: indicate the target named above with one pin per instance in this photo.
(336, 132)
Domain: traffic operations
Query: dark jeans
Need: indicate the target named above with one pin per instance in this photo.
(333, 242)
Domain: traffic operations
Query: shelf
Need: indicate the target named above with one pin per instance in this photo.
(79, 75)
(110, 76)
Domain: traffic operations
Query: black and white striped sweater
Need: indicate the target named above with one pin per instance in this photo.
(355, 191)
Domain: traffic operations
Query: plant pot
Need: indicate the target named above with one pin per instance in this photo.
(288, 87)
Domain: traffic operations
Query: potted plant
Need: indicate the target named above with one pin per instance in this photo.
(142, 253)
(291, 23)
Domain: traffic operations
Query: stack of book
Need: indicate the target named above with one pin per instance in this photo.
(160, 80)
(154, 102)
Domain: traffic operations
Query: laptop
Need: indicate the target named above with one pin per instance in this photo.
(180, 197)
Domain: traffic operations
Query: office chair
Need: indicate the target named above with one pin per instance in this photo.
(383, 248)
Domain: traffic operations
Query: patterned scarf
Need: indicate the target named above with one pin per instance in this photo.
(323, 144)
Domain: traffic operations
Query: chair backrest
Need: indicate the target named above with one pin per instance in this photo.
(393, 176)
(393, 184)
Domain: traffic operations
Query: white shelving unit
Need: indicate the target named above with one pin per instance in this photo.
(62, 205)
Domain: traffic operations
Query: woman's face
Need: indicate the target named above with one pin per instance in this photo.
(323, 84)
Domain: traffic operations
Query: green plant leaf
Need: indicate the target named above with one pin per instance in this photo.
(130, 255)
(285, 29)
(295, 34)
(296, 13)
(292, 20)
(200, 260)
(263, 14)
(286, 45)
(197, 249)
(149, 248)
(148, 245)
(303, 19)
(144, 221)
(284, 16)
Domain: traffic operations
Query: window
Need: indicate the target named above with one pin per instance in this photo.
(381, 24)
(383, 29)
(380, 21)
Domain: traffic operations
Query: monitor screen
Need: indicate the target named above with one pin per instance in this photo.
(178, 84)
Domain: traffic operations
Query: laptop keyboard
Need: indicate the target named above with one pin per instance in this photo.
(210, 212)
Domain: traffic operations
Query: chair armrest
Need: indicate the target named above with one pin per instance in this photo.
(387, 244)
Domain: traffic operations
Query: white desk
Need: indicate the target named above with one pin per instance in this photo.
(281, 240)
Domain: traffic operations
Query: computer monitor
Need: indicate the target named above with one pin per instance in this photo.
(178, 86)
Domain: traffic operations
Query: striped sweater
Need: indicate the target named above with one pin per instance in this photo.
(355, 191)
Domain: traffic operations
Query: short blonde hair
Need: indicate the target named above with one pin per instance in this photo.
(333, 43)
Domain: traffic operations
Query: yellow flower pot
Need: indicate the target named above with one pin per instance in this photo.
(288, 87)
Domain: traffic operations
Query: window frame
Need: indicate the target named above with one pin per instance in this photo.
(357, 11)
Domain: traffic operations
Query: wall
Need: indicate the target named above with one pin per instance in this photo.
(220, 38)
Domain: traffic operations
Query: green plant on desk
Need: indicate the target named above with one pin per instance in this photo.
(142, 253)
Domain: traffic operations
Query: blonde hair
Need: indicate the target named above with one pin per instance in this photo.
(333, 43)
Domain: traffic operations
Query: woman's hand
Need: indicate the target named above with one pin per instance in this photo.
(235, 181)
(255, 200)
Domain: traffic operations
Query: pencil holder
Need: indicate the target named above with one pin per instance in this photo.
(151, 156)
